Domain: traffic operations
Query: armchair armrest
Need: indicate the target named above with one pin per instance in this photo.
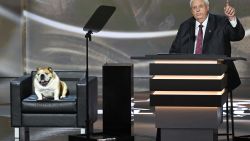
(81, 100)
(20, 88)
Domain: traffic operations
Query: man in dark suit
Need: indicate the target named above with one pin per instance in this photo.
(206, 33)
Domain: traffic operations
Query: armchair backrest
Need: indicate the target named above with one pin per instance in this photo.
(69, 77)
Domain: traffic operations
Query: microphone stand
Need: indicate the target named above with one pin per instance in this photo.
(88, 38)
(94, 24)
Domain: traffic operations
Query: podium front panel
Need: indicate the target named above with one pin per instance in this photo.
(187, 69)
(192, 99)
(188, 93)
(187, 84)
(188, 117)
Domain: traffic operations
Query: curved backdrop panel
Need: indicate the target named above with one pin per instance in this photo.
(54, 34)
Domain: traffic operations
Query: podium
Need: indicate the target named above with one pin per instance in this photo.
(188, 93)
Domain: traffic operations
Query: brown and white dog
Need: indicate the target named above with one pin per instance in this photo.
(48, 85)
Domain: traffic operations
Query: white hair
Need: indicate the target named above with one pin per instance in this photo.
(206, 2)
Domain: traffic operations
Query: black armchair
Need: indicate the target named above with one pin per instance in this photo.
(27, 112)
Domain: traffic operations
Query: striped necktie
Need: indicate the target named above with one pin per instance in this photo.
(198, 49)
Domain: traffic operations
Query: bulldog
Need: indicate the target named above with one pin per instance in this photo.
(48, 85)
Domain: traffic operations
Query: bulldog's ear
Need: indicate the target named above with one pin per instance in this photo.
(50, 69)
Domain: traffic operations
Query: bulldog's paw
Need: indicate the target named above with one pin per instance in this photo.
(39, 99)
(56, 98)
(62, 97)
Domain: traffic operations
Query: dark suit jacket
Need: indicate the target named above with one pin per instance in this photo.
(218, 35)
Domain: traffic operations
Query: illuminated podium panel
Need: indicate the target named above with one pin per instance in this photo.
(188, 92)
(188, 95)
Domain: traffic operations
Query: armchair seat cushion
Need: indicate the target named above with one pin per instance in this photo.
(66, 105)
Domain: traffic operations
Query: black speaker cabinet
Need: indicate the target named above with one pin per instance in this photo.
(242, 138)
(117, 93)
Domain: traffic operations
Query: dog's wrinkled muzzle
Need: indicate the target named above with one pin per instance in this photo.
(43, 82)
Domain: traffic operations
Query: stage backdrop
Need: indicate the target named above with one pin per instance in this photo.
(49, 33)
(54, 34)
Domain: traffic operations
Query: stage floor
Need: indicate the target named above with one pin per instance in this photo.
(144, 128)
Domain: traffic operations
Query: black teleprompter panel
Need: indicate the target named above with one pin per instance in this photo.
(187, 69)
(117, 93)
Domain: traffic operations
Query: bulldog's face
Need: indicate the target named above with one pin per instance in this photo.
(44, 75)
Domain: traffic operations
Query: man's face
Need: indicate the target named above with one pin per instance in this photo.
(199, 10)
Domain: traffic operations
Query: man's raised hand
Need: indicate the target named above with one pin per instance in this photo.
(229, 11)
